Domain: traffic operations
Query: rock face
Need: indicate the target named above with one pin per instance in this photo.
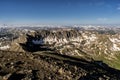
(88, 41)
(42, 66)
(73, 42)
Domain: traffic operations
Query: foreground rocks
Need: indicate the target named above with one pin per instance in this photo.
(31, 66)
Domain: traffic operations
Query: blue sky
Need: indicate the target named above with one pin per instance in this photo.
(59, 11)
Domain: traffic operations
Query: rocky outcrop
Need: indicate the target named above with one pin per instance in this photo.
(27, 66)
(88, 41)
(74, 42)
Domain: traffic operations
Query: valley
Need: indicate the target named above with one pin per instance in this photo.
(71, 53)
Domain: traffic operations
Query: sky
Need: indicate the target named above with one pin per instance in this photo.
(59, 11)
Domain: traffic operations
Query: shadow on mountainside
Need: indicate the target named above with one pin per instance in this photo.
(94, 70)
(30, 46)
(34, 48)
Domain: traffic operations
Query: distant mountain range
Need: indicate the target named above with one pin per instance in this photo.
(91, 43)
(101, 43)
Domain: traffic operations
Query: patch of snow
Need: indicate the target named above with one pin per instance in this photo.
(105, 51)
(67, 46)
(92, 37)
(76, 44)
(114, 40)
(65, 40)
(32, 31)
(85, 36)
(115, 47)
(37, 41)
(5, 47)
(78, 39)
(17, 44)
(76, 51)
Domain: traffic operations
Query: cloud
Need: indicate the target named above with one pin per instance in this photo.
(102, 19)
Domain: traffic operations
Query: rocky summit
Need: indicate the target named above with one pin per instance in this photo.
(46, 66)
(59, 53)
